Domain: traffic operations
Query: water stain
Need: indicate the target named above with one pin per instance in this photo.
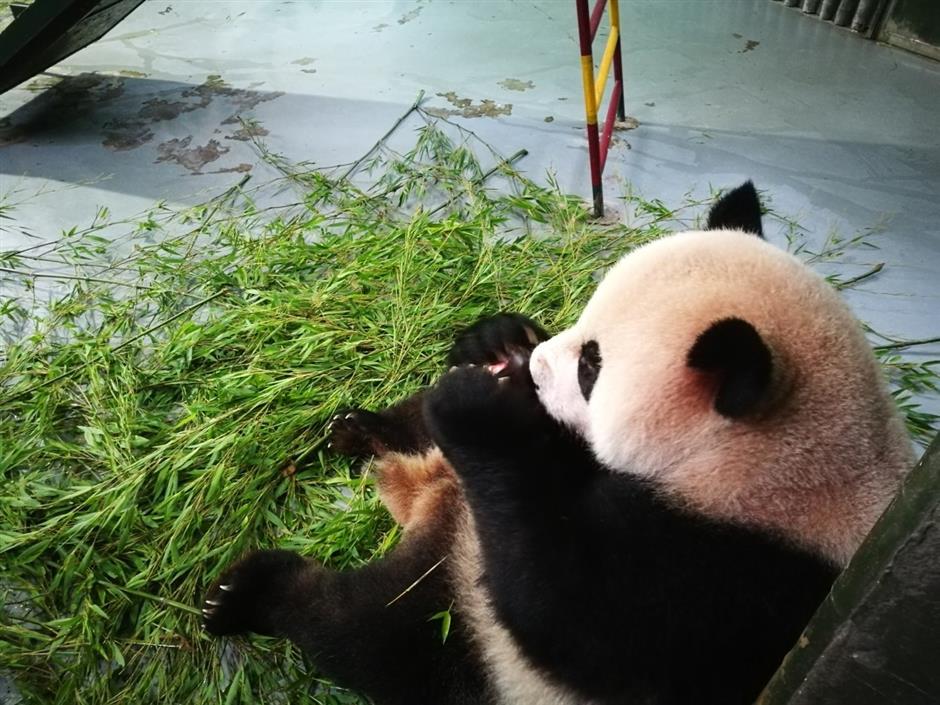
(549, 119)
(750, 45)
(379, 27)
(308, 70)
(242, 168)
(121, 140)
(464, 107)
(618, 141)
(628, 123)
(133, 132)
(242, 99)
(409, 16)
(305, 61)
(159, 109)
(191, 158)
(247, 131)
(514, 84)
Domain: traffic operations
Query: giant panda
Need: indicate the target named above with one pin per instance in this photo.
(643, 509)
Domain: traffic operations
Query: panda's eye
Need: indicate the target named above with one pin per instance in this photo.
(589, 366)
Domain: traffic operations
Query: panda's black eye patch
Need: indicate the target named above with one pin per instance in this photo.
(589, 366)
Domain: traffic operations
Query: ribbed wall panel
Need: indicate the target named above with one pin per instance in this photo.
(857, 15)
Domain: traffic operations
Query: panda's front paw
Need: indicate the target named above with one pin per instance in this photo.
(495, 340)
(471, 406)
(357, 433)
(245, 598)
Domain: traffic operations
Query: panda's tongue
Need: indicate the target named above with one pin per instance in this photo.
(497, 367)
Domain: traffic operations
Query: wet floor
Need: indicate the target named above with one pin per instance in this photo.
(841, 133)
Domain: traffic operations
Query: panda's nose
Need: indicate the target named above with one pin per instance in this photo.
(539, 367)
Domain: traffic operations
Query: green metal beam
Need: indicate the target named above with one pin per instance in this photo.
(50, 30)
(876, 638)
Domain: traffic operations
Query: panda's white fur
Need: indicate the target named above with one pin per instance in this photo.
(514, 679)
(824, 455)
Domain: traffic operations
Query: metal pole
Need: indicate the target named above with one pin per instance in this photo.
(590, 104)
(618, 64)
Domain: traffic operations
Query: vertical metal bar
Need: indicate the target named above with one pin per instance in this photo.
(811, 7)
(609, 123)
(590, 106)
(596, 14)
(603, 71)
(618, 64)
(866, 16)
(828, 9)
(845, 13)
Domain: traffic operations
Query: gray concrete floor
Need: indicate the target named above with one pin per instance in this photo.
(840, 132)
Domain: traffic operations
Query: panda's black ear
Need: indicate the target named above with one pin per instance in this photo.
(733, 352)
(737, 210)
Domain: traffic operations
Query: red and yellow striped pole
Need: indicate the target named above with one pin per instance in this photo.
(585, 37)
(599, 141)
(618, 61)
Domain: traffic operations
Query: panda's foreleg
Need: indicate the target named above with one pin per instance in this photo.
(545, 543)
(400, 428)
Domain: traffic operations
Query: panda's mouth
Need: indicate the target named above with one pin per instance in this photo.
(498, 368)
(514, 365)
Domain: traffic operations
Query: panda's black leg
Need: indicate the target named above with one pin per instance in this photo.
(369, 629)
(279, 593)
(400, 428)
(358, 433)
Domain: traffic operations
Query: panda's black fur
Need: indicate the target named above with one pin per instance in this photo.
(612, 592)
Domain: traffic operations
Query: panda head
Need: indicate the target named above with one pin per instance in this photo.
(724, 370)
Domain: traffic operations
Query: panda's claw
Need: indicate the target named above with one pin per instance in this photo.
(357, 433)
(248, 592)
